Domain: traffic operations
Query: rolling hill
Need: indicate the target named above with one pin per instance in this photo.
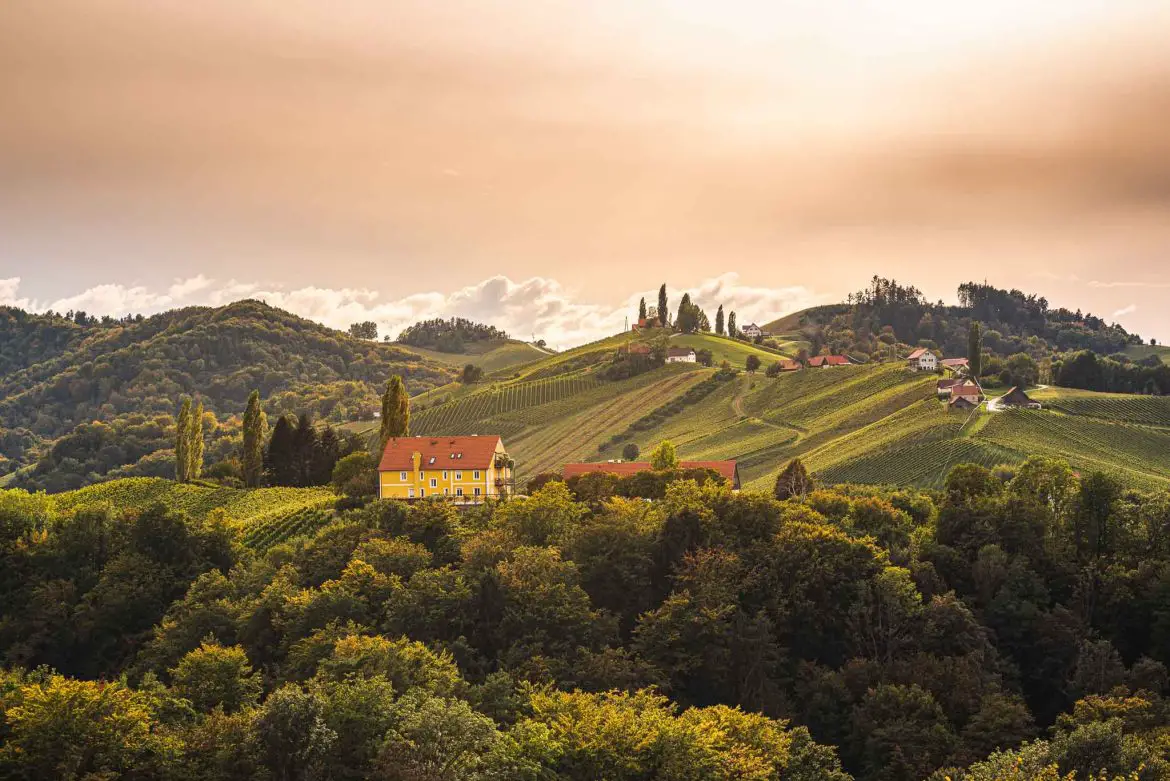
(873, 423)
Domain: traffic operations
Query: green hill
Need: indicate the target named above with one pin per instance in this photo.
(874, 423)
(494, 356)
(57, 376)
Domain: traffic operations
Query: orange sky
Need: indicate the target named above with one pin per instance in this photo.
(415, 148)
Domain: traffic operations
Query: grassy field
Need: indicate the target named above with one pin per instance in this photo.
(491, 356)
(265, 515)
(730, 350)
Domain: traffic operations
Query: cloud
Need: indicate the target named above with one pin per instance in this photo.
(1126, 310)
(538, 306)
(1095, 283)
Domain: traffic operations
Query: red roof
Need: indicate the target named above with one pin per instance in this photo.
(474, 452)
(914, 356)
(789, 366)
(726, 469)
(965, 389)
(954, 362)
(828, 360)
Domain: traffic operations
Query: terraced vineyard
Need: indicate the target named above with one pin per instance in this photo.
(249, 508)
(273, 531)
(1149, 410)
(461, 415)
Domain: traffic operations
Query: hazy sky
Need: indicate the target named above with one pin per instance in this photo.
(539, 163)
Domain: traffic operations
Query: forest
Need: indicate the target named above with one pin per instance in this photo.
(1013, 625)
(448, 336)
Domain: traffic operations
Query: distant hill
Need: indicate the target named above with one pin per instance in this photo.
(59, 375)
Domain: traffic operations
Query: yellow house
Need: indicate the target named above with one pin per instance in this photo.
(464, 469)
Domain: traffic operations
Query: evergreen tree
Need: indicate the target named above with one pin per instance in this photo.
(793, 480)
(255, 432)
(975, 349)
(719, 320)
(183, 442)
(395, 412)
(642, 309)
(685, 319)
(326, 457)
(195, 443)
(732, 331)
(305, 446)
(662, 318)
(279, 460)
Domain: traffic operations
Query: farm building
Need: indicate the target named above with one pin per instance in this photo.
(967, 389)
(467, 469)
(751, 331)
(825, 361)
(728, 470)
(944, 386)
(790, 366)
(954, 364)
(964, 402)
(680, 355)
(1017, 398)
(923, 360)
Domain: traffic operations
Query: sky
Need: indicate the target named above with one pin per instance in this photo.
(540, 165)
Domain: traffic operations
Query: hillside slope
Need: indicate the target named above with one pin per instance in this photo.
(874, 423)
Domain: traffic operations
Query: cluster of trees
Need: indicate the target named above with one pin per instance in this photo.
(302, 454)
(1013, 625)
(887, 313)
(449, 336)
(689, 318)
(57, 376)
(1115, 374)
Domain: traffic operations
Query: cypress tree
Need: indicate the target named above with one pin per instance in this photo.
(183, 442)
(278, 461)
(395, 412)
(304, 449)
(327, 454)
(642, 309)
(719, 320)
(195, 446)
(662, 318)
(731, 329)
(975, 349)
(255, 432)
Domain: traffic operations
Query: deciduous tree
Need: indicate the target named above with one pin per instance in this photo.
(395, 412)
(255, 434)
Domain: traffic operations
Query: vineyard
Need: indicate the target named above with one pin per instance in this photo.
(1148, 410)
(277, 529)
(247, 507)
(460, 415)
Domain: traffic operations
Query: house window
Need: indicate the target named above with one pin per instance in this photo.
(459, 492)
(477, 490)
(411, 493)
(434, 483)
(420, 476)
(444, 474)
(446, 491)
(458, 475)
(477, 475)
(402, 476)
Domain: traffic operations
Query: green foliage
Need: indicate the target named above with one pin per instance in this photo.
(471, 374)
(664, 456)
(793, 481)
(630, 451)
(364, 330)
(183, 442)
(213, 676)
(255, 435)
(448, 335)
(395, 412)
(975, 350)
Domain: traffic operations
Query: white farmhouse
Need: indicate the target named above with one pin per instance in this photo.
(680, 355)
(923, 360)
(751, 331)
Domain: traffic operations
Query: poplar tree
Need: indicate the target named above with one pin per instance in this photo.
(183, 442)
(719, 320)
(975, 349)
(395, 412)
(255, 432)
(731, 329)
(195, 443)
(642, 309)
(662, 319)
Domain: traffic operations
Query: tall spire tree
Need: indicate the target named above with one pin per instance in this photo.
(642, 309)
(719, 321)
(975, 350)
(662, 318)
(255, 432)
(732, 331)
(280, 459)
(195, 446)
(395, 412)
(183, 442)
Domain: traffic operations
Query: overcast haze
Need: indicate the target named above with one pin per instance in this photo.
(539, 164)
